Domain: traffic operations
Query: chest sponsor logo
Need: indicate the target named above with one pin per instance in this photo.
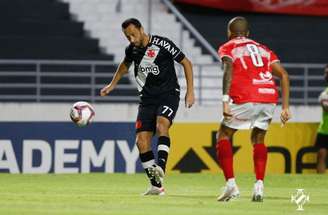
(151, 68)
(265, 78)
(266, 91)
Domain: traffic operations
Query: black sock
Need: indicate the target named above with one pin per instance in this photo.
(163, 148)
(147, 161)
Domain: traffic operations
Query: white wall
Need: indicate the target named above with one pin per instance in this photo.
(125, 112)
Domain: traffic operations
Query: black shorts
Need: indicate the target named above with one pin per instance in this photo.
(321, 141)
(165, 105)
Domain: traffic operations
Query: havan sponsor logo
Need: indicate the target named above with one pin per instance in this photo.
(165, 44)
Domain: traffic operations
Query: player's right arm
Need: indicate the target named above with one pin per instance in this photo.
(227, 65)
(279, 71)
(227, 78)
(121, 70)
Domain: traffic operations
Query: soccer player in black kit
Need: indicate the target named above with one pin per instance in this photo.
(153, 57)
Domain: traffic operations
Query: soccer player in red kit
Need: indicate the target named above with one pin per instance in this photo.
(249, 99)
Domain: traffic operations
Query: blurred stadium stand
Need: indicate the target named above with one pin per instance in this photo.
(103, 20)
(43, 29)
(37, 30)
(296, 39)
(299, 41)
(67, 50)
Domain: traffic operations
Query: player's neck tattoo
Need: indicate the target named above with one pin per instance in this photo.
(227, 78)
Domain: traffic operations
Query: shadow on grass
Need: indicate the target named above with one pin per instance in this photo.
(192, 196)
(214, 197)
(277, 198)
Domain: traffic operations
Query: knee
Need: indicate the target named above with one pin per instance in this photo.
(254, 139)
(225, 133)
(322, 154)
(162, 129)
(257, 137)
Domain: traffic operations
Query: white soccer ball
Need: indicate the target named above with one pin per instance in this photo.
(82, 113)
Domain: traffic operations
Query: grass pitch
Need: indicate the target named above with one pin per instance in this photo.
(186, 194)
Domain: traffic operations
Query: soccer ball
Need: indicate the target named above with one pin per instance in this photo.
(82, 113)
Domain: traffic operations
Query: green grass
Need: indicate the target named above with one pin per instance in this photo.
(186, 194)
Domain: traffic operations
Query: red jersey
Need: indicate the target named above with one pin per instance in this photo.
(252, 79)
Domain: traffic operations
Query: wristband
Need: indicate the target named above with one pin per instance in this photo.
(225, 98)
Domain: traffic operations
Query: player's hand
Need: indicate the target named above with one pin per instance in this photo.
(189, 99)
(226, 111)
(285, 115)
(104, 91)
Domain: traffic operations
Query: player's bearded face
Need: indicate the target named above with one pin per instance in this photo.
(134, 35)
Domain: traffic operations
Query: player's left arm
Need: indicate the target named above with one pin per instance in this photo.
(179, 56)
(279, 71)
(187, 67)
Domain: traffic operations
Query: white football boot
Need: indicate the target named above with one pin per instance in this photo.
(258, 191)
(158, 174)
(230, 191)
(153, 190)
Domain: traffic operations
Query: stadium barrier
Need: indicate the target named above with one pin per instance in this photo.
(290, 148)
(59, 81)
(61, 147)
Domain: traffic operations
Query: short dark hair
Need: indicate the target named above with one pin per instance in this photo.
(238, 25)
(131, 21)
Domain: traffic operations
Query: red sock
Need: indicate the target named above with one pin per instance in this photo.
(260, 155)
(225, 157)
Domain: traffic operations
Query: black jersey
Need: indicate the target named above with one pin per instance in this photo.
(154, 66)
